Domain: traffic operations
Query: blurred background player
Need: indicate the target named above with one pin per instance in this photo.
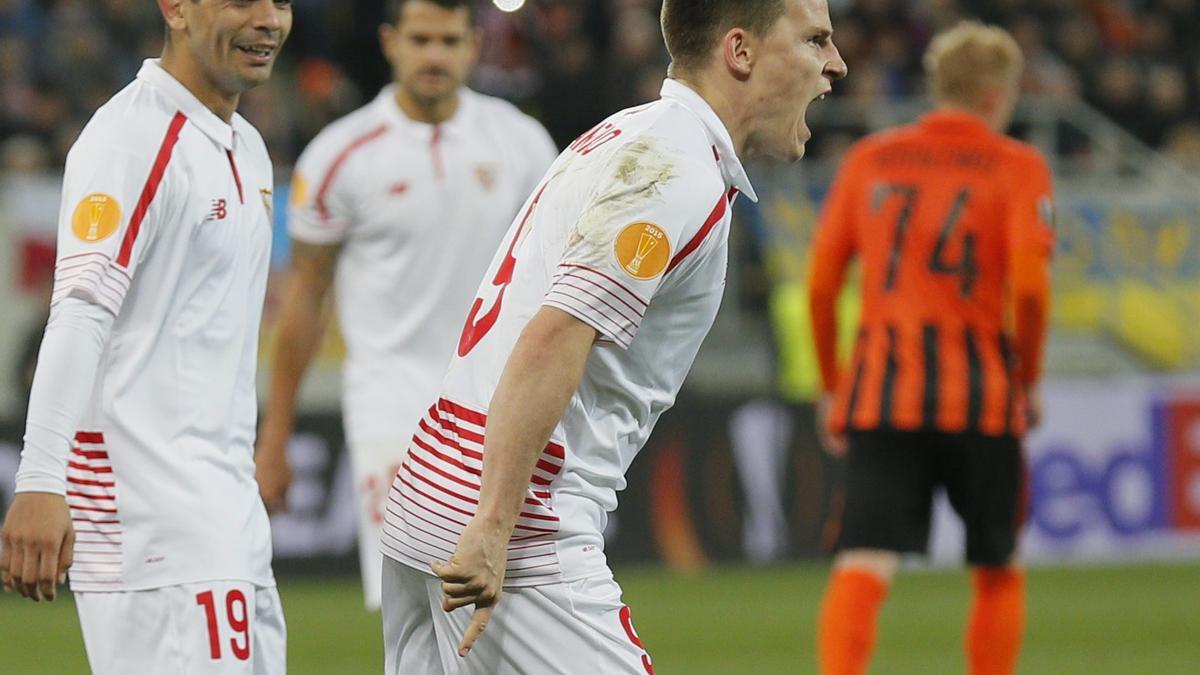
(137, 471)
(587, 323)
(953, 224)
(403, 202)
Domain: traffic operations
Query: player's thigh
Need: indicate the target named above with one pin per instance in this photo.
(191, 629)
(409, 642)
(269, 633)
(557, 629)
(889, 492)
(985, 483)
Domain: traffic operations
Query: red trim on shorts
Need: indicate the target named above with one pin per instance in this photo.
(150, 188)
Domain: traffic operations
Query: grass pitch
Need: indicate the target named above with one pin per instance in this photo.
(730, 621)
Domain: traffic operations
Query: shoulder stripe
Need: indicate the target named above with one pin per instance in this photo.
(331, 173)
(151, 187)
(713, 218)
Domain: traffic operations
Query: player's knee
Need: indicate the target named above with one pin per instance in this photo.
(880, 563)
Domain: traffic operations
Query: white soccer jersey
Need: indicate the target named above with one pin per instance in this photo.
(628, 233)
(166, 223)
(418, 210)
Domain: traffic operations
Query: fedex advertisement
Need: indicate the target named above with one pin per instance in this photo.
(1114, 474)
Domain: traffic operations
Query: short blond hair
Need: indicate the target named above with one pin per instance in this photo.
(970, 58)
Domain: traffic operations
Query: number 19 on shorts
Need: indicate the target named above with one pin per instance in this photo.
(229, 616)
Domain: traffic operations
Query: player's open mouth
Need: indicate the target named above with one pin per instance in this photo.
(259, 53)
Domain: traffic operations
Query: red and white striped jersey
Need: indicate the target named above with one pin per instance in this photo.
(166, 223)
(418, 210)
(628, 233)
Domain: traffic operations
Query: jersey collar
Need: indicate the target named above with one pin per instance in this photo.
(460, 122)
(197, 113)
(731, 167)
(955, 121)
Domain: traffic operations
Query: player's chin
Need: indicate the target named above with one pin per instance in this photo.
(799, 141)
(254, 76)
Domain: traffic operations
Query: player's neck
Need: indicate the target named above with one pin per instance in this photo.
(991, 118)
(427, 112)
(726, 106)
(188, 73)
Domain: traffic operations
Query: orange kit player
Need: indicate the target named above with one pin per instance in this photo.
(952, 222)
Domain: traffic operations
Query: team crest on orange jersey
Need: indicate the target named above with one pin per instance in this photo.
(1047, 212)
(96, 217)
(643, 250)
(486, 173)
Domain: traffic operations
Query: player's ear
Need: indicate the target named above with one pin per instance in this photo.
(172, 11)
(476, 44)
(387, 36)
(737, 52)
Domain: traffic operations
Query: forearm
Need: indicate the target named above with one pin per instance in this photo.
(542, 373)
(62, 387)
(824, 284)
(1031, 309)
(301, 326)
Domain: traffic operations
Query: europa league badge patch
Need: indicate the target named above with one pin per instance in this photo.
(643, 250)
(96, 217)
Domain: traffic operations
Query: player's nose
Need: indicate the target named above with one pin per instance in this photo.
(835, 67)
(268, 16)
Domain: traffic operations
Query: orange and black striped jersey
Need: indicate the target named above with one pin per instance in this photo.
(952, 223)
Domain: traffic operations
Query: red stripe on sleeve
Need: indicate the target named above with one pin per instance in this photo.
(327, 181)
(150, 188)
(713, 218)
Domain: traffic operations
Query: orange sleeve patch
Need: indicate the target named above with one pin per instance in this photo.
(96, 217)
(643, 250)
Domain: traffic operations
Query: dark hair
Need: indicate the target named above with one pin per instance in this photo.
(391, 10)
(690, 26)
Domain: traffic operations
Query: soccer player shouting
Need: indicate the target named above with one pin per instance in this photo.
(953, 224)
(137, 471)
(584, 327)
(403, 201)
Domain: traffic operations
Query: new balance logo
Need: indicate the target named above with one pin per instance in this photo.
(218, 211)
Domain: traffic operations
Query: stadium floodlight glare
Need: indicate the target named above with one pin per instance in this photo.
(508, 5)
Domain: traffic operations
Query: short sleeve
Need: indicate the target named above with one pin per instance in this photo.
(114, 198)
(1032, 212)
(321, 206)
(643, 220)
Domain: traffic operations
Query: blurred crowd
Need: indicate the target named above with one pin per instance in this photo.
(570, 62)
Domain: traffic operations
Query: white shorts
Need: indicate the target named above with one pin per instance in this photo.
(210, 628)
(567, 628)
(374, 467)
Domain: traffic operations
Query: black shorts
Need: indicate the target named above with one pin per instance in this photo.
(891, 477)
